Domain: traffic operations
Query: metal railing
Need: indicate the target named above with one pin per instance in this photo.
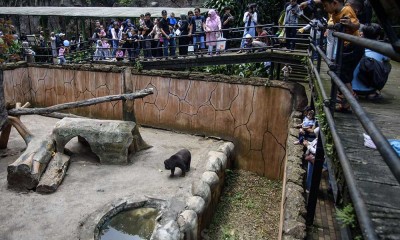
(157, 47)
(388, 154)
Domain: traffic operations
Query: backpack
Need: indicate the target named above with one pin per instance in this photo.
(374, 73)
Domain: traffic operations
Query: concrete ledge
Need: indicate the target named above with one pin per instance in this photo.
(293, 206)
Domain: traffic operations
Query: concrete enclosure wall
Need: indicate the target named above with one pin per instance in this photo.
(245, 111)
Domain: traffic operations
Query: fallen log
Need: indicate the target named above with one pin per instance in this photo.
(26, 171)
(54, 174)
(84, 103)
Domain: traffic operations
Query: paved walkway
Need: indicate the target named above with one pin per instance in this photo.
(325, 225)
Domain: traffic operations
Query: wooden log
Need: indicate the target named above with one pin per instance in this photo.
(21, 129)
(54, 174)
(84, 103)
(5, 134)
(3, 109)
(26, 171)
(61, 115)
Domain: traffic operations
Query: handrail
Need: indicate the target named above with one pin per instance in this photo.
(388, 154)
(381, 47)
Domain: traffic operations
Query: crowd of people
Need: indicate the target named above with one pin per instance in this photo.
(158, 38)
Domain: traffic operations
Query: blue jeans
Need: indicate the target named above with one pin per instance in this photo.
(290, 33)
(62, 60)
(197, 39)
(169, 43)
(115, 47)
(310, 169)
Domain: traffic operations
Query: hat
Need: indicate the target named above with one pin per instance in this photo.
(164, 12)
(61, 34)
(307, 108)
(248, 36)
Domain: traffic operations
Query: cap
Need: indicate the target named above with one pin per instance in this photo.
(61, 34)
(248, 36)
(164, 12)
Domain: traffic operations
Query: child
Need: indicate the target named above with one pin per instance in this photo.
(119, 54)
(142, 24)
(61, 53)
(306, 127)
(102, 33)
(351, 53)
(287, 70)
(98, 54)
(172, 20)
(106, 48)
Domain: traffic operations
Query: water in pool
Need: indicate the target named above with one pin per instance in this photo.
(135, 224)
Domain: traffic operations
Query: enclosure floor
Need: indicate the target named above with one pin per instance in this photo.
(89, 186)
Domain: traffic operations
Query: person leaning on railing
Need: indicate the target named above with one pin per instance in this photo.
(352, 53)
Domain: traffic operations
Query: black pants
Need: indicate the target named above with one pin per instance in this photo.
(290, 33)
(183, 45)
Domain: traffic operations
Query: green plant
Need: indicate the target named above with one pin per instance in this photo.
(250, 204)
(228, 234)
(138, 66)
(242, 70)
(346, 216)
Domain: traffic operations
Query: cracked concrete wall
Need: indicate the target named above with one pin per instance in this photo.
(50, 86)
(255, 118)
(17, 85)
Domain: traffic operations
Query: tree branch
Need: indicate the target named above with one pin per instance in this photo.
(130, 96)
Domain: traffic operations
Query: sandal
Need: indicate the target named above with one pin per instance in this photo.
(343, 108)
(340, 97)
(374, 97)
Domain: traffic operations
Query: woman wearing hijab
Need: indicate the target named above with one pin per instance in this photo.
(213, 26)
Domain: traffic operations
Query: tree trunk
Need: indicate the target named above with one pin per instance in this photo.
(130, 96)
(54, 174)
(26, 171)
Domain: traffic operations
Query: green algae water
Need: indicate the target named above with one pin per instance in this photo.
(135, 224)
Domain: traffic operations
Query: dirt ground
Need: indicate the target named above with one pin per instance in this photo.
(88, 185)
